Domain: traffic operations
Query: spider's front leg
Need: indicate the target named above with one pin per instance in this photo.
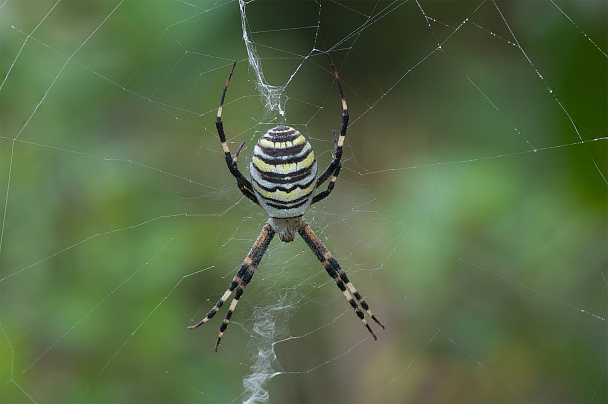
(243, 183)
(241, 279)
(337, 273)
(334, 167)
(333, 170)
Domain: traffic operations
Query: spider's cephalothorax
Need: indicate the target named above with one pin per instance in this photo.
(283, 172)
(283, 182)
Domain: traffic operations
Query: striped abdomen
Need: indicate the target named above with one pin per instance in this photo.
(283, 172)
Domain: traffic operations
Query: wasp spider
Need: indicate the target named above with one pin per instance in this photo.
(283, 173)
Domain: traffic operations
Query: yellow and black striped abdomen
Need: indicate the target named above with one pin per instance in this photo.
(283, 172)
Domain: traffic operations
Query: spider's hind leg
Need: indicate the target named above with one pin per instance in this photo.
(337, 273)
(241, 279)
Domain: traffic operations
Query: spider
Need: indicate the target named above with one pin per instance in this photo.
(283, 172)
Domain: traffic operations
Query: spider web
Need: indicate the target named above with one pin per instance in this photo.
(471, 210)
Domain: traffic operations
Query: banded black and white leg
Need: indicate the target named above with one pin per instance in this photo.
(337, 273)
(240, 280)
(333, 170)
(243, 183)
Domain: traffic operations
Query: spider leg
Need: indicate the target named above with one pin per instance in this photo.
(243, 183)
(330, 186)
(241, 279)
(334, 166)
(337, 273)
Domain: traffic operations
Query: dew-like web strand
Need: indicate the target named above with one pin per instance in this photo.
(10, 69)
(189, 386)
(167, 30)
(579, 29)
(371, 20)
(101, 234)
(92, 309)
(406, 368)
(89, 238)
(421, 61)
(115, 354)
(597, 386)
(484, 158)
(481, 365)
(67, 61)
(519, 284)
(500, 112)
(557, 100)
(48, 90)
(163, 106)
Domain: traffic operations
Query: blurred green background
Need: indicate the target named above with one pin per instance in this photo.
(471, 210)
